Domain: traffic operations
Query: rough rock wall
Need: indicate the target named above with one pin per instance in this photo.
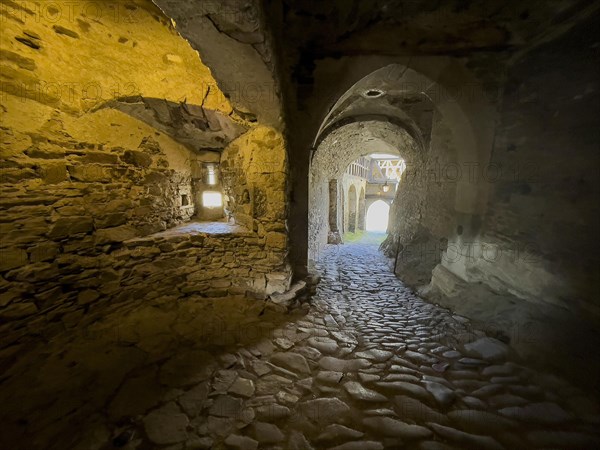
(543, 217)
(422, 216)
(76, 56)
(175, 264)
(73, 185)
(254, 171)
(81, 170)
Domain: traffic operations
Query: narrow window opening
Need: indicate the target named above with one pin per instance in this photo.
(211, 175)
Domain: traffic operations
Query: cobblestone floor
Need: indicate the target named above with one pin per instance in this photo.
(368, 366)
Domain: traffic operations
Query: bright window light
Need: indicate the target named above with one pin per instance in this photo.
(212, 199)
(212, 176)
(378, 216)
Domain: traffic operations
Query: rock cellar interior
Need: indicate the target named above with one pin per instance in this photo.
(281, 224)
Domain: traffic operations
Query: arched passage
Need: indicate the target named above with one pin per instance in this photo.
(336, 151)
(427, 100)
(429, 107)
(87, 184)
(378, 217)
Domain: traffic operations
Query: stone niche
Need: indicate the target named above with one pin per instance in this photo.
(207, 187)
(82, 219)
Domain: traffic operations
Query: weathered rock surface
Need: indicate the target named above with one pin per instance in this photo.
(487, 348)
(391, 427)
(167, 425)
(292, 361)
(358, 392)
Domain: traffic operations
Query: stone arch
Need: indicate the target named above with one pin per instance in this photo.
(452, 101)
(370, 201)
(337, 150)
(460, 129)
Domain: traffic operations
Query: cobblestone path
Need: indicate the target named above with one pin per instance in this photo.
(368, 366)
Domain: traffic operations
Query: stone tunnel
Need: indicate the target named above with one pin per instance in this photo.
(184, 260)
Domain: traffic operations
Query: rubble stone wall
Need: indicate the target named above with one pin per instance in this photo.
(254, 172)
(177, 263)
(99, 152)
(74, 188)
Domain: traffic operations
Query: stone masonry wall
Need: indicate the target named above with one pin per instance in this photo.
(68, 188)
(421, 216)
(94, 113)
(254, 171)
(185, 261)
(359, 184)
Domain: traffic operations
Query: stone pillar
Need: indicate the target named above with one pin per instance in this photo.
(333, 205)
(352, 204)
(362, 210)
(333, 236)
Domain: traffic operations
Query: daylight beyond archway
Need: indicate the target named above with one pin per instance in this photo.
(303, 225)
(353, 166)
(378, 216)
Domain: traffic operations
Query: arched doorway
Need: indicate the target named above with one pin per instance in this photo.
(378, 217)
(352, 205)
(394, 107)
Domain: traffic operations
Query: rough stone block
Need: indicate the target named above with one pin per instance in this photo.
(116, 234)
(167, 425)
(90, 173)
(46, 251)
(111, 220)
(18, 311)
(100, 158)
(276, 240)
(447, 282)
(68, 226)
(54, 173)
(136, 158)
(11, 258)
(87, 296)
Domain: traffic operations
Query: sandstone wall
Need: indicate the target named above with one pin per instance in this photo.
(178, 263)
(75, 185)
(106, 116)
(76, 56)
(254, 171)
